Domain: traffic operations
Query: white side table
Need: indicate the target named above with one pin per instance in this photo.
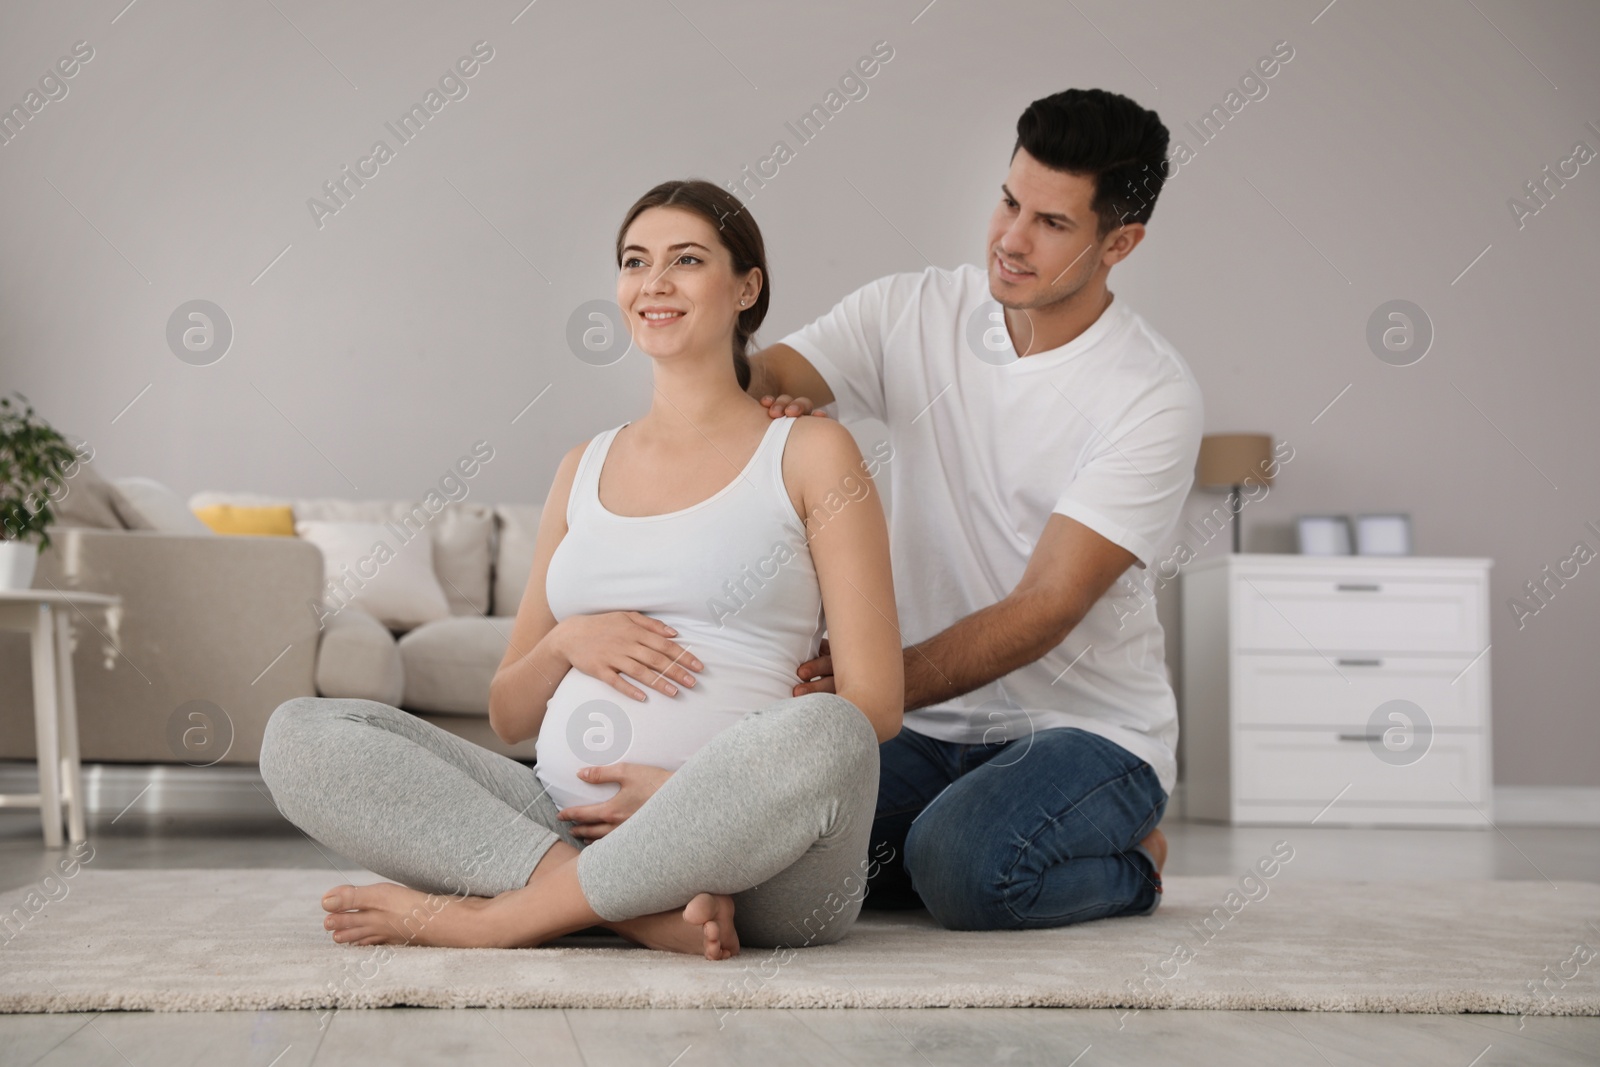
(45, 615)
(1339, 690)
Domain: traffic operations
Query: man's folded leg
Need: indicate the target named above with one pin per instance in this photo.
(1046, 833)
(913, 769)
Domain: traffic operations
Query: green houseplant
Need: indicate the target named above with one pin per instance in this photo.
(33, 460)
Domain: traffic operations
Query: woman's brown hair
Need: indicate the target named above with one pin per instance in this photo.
(739, 235)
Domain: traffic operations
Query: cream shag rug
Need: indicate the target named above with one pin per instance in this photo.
(206, 940)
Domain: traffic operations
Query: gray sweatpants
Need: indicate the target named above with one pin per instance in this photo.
(775, 810)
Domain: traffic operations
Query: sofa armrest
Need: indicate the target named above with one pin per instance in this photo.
(225, 619)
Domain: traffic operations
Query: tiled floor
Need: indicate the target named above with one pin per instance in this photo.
(776, 1038)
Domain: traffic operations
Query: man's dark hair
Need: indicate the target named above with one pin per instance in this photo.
(1104, 136)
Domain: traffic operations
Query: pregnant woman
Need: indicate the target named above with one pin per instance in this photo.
(682, 796)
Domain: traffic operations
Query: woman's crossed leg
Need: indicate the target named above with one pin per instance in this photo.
(771, 819)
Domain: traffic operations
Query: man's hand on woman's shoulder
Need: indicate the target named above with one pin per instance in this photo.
(779, 406)
(786, 382)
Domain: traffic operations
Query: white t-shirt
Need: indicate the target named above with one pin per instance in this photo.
(986, 446)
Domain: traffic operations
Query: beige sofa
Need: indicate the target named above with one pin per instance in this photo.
(232, 621)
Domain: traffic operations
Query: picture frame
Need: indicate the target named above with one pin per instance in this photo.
(1387, 534)
(1324, 535)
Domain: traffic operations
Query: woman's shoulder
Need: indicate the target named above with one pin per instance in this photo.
(567, 469)
(569, 462)
(819, 453)
(819, 436)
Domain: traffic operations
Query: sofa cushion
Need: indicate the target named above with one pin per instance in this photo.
(462, 535)
(450, 663)
(87, 499)
(363, 565)
(276, 520)
(517, 526)
(158, 507)
(358, 658)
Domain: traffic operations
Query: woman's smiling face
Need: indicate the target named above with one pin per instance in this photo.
(676, 284)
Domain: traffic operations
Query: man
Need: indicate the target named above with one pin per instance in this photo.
(1044, 439)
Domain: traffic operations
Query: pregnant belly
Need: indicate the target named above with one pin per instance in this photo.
(588, 723)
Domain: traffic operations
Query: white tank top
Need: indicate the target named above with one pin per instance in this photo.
(732, 574)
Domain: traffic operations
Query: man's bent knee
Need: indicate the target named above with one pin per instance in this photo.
(962, 888)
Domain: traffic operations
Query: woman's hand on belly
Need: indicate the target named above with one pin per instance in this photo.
(614, 643)
(637, 783)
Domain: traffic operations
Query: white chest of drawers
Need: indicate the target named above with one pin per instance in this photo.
(1344, 690)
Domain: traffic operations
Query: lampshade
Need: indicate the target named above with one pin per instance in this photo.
(1230, 459)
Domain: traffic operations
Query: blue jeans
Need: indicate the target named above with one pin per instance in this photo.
(1034, 832)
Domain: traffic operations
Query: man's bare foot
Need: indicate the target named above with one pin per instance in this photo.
(387, 913)
(704, 927)
(1156, 844)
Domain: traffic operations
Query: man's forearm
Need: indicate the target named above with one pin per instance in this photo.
(778, 370)
(974, 651)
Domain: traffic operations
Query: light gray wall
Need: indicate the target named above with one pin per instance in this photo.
(428, 312)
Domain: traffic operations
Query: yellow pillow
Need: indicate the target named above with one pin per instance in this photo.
(275, 521)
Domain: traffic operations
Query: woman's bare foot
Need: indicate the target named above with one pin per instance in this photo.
(387, 913)
(713, 913)
(704, 927)
(1156, 844)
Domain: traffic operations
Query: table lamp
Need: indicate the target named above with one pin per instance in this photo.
(1228, 460)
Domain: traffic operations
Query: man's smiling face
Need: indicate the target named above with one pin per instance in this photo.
(1044, 228)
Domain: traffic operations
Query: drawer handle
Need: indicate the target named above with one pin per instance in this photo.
(1361, 737)
(1358, 587)
(1360, 662)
